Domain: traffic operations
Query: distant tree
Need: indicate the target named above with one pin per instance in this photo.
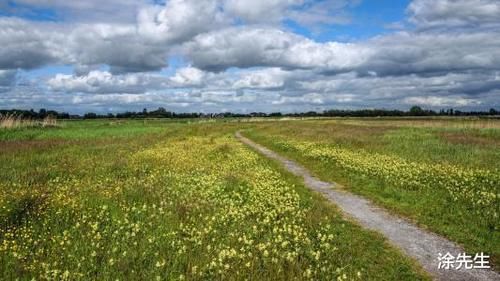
(63, 115)
(42, 113)
(416, 111)
(52, 113)
(90, 115)
(493, 111)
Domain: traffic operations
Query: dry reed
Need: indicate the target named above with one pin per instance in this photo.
(12, 121)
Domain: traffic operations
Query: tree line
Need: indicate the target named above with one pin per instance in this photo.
(163, 113)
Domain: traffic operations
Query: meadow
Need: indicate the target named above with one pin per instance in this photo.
(442, 174)
(171, 200)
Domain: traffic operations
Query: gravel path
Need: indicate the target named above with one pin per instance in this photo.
(417, 243)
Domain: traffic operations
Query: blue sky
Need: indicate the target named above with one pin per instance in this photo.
(369, 19)
(242, 56)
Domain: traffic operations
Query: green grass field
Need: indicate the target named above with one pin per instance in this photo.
(443, 174)
(146, 200)
(172, 200)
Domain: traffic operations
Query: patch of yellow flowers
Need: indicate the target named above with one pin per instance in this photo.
(192, 208)
(478, 188)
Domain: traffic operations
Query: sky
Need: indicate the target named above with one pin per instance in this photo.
(249, 55)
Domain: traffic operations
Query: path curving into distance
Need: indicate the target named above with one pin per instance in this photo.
(421, 245)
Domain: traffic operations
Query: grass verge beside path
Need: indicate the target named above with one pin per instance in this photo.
(435, 209)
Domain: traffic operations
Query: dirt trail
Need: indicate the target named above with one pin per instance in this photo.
(417, 243)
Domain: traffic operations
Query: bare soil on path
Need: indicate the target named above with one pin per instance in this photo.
(420, 244)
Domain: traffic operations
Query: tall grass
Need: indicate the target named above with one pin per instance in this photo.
(447, 159)
(175, 202)
(12, 121)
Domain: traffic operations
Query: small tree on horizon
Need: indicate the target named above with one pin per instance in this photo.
(416, 111)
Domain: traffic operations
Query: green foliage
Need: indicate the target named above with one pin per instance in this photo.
(147, 200)
(443, 175)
